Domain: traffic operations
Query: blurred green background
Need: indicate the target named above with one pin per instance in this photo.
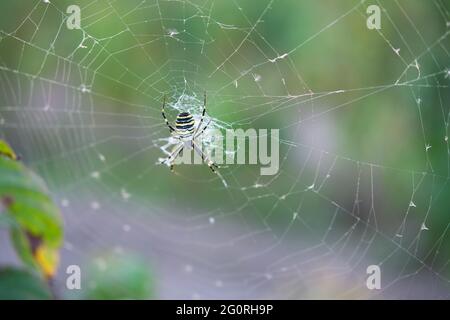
(364, 157)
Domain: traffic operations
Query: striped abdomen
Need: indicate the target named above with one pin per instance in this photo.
(185, 123)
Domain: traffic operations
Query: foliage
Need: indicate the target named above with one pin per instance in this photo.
(124, 278)
(34, 222)
(20, 284)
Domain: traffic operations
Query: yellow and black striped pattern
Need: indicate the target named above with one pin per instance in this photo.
(184, 124)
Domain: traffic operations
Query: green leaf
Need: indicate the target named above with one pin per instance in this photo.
(125, 277)
(18, 284)
(22, 247)
(38, 225)
(26, 198)
(6, 150)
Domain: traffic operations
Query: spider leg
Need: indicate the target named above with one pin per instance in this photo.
(205, 157)
(203, 115)
(203, 130)
(175, 152)
(164, 116)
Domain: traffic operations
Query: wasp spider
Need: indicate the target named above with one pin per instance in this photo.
(186, 132)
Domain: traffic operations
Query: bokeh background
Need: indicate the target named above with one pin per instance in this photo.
(364, 154)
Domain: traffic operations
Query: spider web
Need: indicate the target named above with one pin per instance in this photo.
(364, 155)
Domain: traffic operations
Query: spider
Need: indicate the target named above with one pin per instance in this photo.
(186, 133)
